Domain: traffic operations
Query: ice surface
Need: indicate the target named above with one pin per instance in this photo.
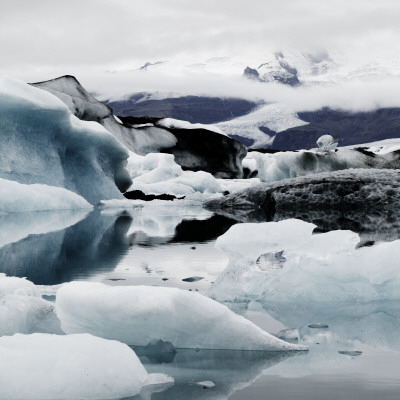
(157, 173)
(22, 310)
(43, 143)
(42, 366)
(138, 315)
(18, 197)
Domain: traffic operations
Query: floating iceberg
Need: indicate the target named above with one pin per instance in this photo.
(42, 366)
(43, 143)
(325, 267)
(139, 315)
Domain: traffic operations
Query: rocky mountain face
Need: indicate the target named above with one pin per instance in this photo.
(196, 109)
(347, 128)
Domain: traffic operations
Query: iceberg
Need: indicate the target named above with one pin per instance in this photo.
(325, 267)
(43, 366)
(43, 143)
(139, 315)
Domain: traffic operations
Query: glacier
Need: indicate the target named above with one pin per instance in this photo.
(139, 315)
(43, 143)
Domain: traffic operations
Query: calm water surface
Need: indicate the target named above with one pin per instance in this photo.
(357, 356)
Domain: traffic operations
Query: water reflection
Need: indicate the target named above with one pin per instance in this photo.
(55, 247)
(96, 243)
(228, 370)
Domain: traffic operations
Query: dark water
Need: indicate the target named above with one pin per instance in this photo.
(355, 356)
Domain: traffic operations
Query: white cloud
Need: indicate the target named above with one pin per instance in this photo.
(47, 38)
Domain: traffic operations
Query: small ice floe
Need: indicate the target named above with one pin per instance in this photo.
(353, 353)
(193, 279)
(273, 260)
(318, 325)
(327, 142)
(206, 384)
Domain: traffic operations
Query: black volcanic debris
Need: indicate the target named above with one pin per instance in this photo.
(200, 149)
(194, 149)
(349, 199)
(347, 128)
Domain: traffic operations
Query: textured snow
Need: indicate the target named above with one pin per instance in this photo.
(18, 197)
(42, 366)
(138, 315)
(42, 142)
(324, 267)
(276, 117)
(176, 123)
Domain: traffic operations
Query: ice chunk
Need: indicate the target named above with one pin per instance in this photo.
(322, 267)
(17, 197)
(158, 173)
(138, 315)
(42, 366)
(327, 142)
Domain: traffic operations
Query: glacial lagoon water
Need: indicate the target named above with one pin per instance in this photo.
(354, 348)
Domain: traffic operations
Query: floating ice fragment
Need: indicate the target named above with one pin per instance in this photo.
(193, 279)
(318, 325)
(206, 384)
(354, 353)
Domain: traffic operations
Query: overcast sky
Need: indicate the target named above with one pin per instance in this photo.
(43, 39)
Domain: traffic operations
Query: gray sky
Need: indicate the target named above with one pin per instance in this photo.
(43, 39)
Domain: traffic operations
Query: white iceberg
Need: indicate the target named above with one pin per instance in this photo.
(43, 143)
(42, 366)
(139, 315)
(320, 268)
